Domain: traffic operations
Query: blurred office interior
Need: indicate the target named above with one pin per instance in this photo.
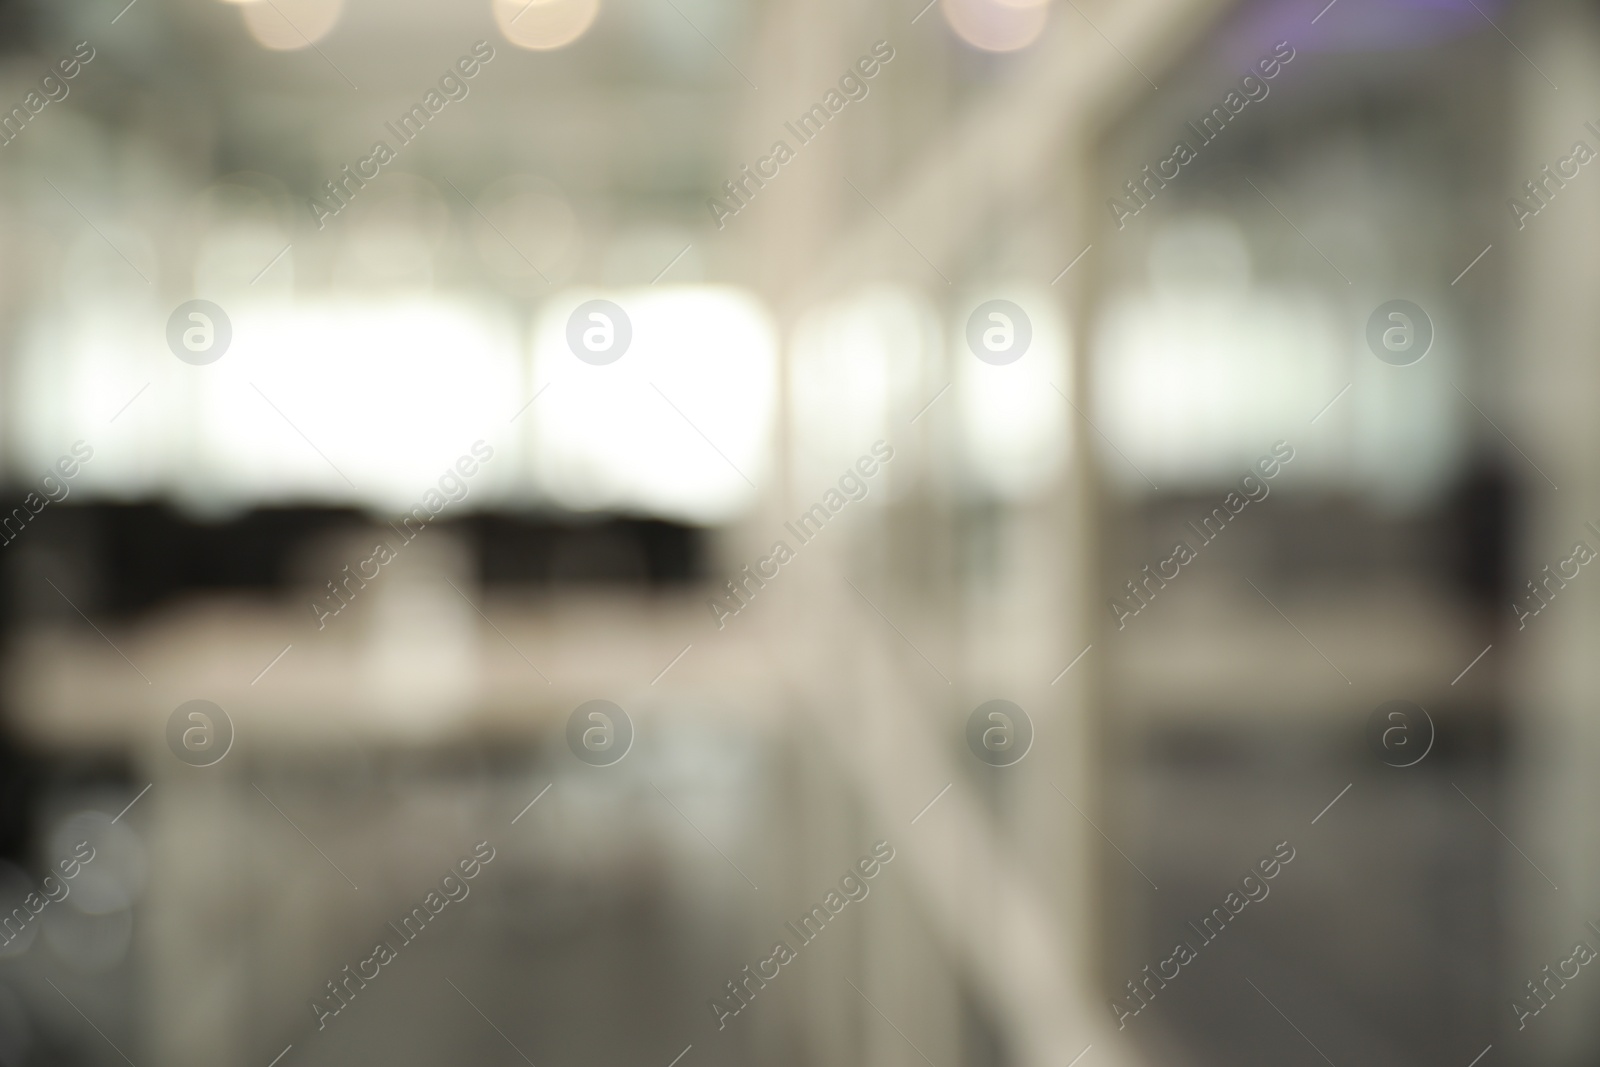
(406, 336)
